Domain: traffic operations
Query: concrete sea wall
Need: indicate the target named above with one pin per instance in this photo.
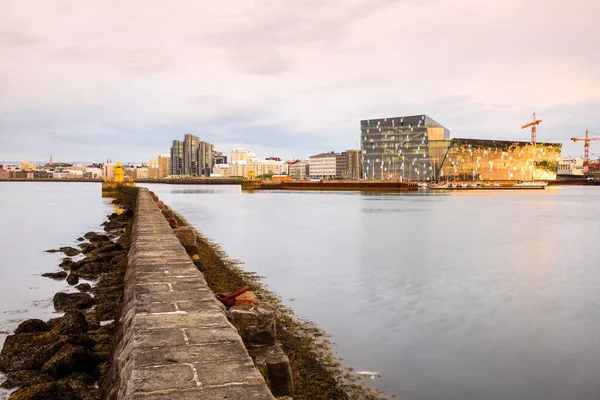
(174, 339)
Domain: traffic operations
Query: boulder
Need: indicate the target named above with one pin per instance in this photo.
(80, 239)
(71, 323)
(83, 386)
(88, 247)
(84, 287)
(109, 247)
(255, 323)
(45, 391)
(32, 325)
(72, 301)
(168, 214)
(278, 371)
(99, 238)
(73, 278)
(29, 350)
(55, 275)
(81, 339)
(186, 235)
(92, 270)
(66, 263)
(69, 359)
(70, 251)
(90, 235)
(24, 378)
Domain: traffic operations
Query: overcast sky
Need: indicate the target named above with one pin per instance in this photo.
(90, 80)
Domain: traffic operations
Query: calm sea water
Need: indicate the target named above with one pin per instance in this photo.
(490, 295)
(35, 217)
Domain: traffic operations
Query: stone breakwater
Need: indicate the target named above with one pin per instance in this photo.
(174, 340)
(69, 357)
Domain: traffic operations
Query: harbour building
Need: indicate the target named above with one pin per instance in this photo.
(417, 148)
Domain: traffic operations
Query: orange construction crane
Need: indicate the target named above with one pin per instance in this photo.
(533, 123)
(586, 146)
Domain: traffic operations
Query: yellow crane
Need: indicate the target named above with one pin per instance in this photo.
(533, 123)
(586, 146)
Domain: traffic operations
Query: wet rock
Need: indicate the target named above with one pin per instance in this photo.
(66, 263)
(90, 235)
(109, 248)
(32, 325)
(84, 287)
(103, 342)
(53, 251)
(72, 301)
(69, 359)
(70, 251)
(73, 278)
(71, 323)
(88, 247)
(92, 270)
(82, 339)
(45, 391)
(80, 239)
(55, 275)
(25, 378)
(83, 386)
(29, 350)
(168, 214)
(100, 238)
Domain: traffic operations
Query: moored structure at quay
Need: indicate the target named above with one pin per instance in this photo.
(417, 148)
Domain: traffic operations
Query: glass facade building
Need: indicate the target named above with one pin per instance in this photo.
(417, 148)
(399, 148)
(498, 160)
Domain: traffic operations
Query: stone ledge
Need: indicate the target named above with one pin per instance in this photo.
(175, 341)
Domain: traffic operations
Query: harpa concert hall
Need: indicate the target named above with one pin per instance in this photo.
(417, 148)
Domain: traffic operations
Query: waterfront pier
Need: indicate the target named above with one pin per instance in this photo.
(174, 340)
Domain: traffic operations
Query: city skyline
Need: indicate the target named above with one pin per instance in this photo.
(288, 80)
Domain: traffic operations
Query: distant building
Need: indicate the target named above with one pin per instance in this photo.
(50, 161)
(4, 174)
(153, 169)
(341, 166)
(238, 162)
(570, 167)
(27, 166)
(177, 158)
(136, 173)
(42, 174)
(164, 166)
(221, 170)
(298, 169)
(323, 166)
(74, 174)
(417, 148)
(348, 165)
(219, 158)
(205, 159)
(108, 170)
(190, 154)
(92, 173)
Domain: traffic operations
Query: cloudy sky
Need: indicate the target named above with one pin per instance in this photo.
(90, 80)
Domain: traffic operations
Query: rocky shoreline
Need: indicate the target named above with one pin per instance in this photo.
(69, 357)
